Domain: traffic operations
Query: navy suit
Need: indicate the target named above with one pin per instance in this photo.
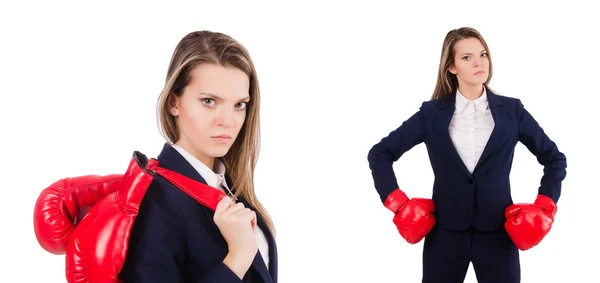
(471, 203)
(175, 239)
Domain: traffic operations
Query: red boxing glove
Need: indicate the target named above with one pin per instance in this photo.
(62, 205)
(528, 224)
(98, 246)
(413, 218)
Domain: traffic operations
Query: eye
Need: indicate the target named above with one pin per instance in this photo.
(208, 102)
(484, 54)
(241, 105)
(465, 58)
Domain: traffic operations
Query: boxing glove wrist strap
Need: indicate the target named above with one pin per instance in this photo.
(395, 200)
(546, 203)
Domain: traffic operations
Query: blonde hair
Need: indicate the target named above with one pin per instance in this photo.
(446, 81)
(205, 47)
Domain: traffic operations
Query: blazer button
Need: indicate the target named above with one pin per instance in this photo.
(470, 181)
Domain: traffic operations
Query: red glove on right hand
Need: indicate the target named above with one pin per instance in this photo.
(414, 218)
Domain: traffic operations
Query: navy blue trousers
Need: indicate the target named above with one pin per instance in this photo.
(447, 254)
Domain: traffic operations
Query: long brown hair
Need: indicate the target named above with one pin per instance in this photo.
(205, 47)
(446, 81)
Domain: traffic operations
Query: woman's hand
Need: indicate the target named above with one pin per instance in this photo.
(236, 224)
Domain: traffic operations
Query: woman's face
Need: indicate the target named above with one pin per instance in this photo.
(471, 64)
(211, 111)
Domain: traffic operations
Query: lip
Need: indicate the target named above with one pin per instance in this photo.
(222, 138)
(479, 73)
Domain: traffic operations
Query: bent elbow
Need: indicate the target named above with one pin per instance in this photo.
(379, 154)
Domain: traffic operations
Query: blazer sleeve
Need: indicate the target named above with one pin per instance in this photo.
(157, 243)
(539, 144)
(382, 155)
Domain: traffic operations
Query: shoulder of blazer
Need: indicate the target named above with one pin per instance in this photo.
(511, 104)
(506, 99)
(500, 97)
(168, 197)
(430, 107)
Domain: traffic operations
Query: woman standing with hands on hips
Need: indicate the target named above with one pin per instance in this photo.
(470, 133)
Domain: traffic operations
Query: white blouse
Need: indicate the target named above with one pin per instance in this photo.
(471, 127)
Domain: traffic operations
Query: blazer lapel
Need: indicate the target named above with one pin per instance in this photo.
(499, 115)
(273, 261)
(272, 251)
(442, 123)
(258, 263)
(444, 117)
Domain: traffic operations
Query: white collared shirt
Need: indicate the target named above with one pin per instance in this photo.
(471, 127)
(216, 179)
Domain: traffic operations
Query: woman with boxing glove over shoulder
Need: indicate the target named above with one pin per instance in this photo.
(191, 214)
(471, 133)
(209, 113)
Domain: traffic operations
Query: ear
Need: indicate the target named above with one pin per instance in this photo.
(452, 69)
(173, 104)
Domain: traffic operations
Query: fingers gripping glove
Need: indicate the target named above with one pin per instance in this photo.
(62, 205)
(528, 224)
(413, 217)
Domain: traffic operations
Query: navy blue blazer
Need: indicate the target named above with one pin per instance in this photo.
(463, 199)
(175, 239)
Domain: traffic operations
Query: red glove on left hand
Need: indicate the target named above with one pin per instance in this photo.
(528, 224)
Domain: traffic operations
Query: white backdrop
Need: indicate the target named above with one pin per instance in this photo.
(79, 83)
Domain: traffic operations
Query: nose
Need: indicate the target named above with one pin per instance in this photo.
(225, 118)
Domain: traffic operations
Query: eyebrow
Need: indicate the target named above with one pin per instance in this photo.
(472, 53)
(214, 96)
